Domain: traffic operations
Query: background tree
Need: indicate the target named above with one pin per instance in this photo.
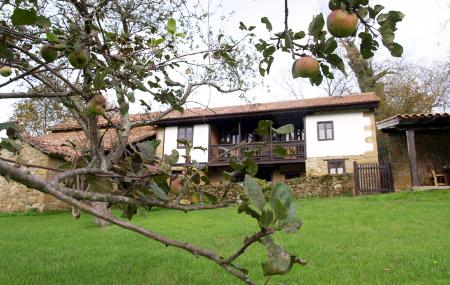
(35, 115)
(82, 50)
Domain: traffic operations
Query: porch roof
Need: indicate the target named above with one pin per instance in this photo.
(419, 121)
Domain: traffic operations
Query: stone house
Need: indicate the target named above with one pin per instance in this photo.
(330, 133)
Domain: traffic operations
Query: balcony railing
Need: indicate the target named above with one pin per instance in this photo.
(262, 151)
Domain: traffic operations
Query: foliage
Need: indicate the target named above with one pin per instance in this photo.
(81, 50)
(35, 115)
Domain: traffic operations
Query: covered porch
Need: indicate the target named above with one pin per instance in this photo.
(419, 149)
(232, 137)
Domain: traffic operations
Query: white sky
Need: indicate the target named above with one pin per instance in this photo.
(424, 34)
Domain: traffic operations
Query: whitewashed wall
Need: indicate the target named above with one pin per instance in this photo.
(349, 135)
(201, 138)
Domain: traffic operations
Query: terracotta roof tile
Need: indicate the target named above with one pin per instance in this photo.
(335, 101)
(60, 143)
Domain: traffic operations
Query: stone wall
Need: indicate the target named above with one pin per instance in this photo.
(15, 197)
(432, 148)
(308, 186)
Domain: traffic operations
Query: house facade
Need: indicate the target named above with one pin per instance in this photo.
(330, 133)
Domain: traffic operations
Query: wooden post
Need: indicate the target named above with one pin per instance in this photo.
(355, 178)
(411, 142)
(239, 138)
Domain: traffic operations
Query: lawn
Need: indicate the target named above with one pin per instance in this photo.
(400, 238)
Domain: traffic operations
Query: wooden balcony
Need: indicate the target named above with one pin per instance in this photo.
(263, 152)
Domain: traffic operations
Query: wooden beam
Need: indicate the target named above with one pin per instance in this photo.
(411, 142)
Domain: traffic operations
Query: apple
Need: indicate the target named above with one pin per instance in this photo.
(79, 58)
(305, 67)
(48, 53)
(5, 71)
(96, 106)
(341, 23)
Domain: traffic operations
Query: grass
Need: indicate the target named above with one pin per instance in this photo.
(400, 238)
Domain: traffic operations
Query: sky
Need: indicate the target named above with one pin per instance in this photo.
(424, 34)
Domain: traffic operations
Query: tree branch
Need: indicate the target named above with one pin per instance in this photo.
(17, 95)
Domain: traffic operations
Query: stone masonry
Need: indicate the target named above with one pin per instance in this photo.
(15, 197)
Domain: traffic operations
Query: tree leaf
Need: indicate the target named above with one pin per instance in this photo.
(162, 181)
(251, 167)
(292, 222)
(263, 127)
(284, 130)
(171, 26)
(6, 53)
(316, 25)
(23, 17)
(336, 61)
(43, 22)
(396, 50)
(10, 145)
(279, 261)
(245, 208)
(266, 21)
(280, 151)
(158, 192)
(254, 193)
(266, 218)
(283, 193)
(212, 198)
(269, 51)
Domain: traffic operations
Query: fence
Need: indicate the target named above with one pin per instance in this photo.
(373, 178)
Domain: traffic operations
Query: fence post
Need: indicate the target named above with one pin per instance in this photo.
(355, 178)
(391, 177)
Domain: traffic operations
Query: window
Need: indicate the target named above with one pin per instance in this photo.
(325, 131)
(336, 166)
(185, 133)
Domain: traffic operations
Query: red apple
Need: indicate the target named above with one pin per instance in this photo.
(305, 67)
(341, 23)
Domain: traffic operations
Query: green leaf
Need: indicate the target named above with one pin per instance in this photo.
(281, 211)
(10, 145)
(245, 208)
(280, 151)
(396, 50)
(251, 167)
(146, 151)
(284, 130)
(254, 193)
(212, 198)
(266, 21)
(171, 26)
(6, 125)
(330, 46)
(316, 79)
(279, 261)
(43, 22)
(336, 61)
(242, 26)
(263, 127)
(316, 25)
(129, 211)
(368, 45)
(283, 193)
(162, 181)
(51, 36)
(269, 51)
(99, 184)
(173, 157)
(23, 17)
(6, 53)
(158, 192)
(266, 218)
(292, 222)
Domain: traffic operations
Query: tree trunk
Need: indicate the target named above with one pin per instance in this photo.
(103, 208)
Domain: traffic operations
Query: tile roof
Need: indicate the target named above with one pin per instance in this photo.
(60, 143)
(410, 119)
(198, 113)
